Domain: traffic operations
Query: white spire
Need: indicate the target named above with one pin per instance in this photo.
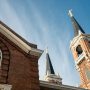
(70, 13)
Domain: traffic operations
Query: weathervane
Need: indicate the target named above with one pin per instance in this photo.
(70, 13)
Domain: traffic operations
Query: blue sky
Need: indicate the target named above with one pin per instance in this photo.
(46, 23)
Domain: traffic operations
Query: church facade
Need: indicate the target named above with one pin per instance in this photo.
(19, 62)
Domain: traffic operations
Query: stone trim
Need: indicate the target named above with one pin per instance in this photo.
(60, 87)
(5, 87)
(76, 40)
(19, 42)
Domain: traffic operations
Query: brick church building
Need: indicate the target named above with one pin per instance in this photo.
(19, 62)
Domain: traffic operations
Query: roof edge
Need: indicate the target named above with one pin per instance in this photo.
(18, 41)
(30, 44)
(55, 86)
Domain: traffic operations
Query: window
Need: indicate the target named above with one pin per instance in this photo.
(79, 50)
(0, 57)
(87, 73)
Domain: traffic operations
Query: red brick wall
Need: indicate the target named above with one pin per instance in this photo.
(21, 68)
(85, 62)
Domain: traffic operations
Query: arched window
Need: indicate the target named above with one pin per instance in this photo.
(0, 57)
(79, 50)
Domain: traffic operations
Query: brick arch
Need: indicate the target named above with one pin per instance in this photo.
(4, 69)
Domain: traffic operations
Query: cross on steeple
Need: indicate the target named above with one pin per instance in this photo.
(70, 13)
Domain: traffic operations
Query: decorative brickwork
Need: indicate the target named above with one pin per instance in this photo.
(18, 68)
(4, 68)
(82, 58)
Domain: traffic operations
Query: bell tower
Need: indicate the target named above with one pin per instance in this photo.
(80, 47)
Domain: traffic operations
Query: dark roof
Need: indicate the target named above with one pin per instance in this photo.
(49, 67)
(30, 44)
(76, 25)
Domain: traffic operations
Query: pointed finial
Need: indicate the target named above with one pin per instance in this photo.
(70, 13)
(47, 50)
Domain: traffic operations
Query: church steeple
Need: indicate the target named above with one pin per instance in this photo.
(80, 47)
(77, 28)
(50, 76)
(49, 67)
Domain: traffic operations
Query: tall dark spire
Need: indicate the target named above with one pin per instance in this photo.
(49, 67)
(77, 27)
(50, 76)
